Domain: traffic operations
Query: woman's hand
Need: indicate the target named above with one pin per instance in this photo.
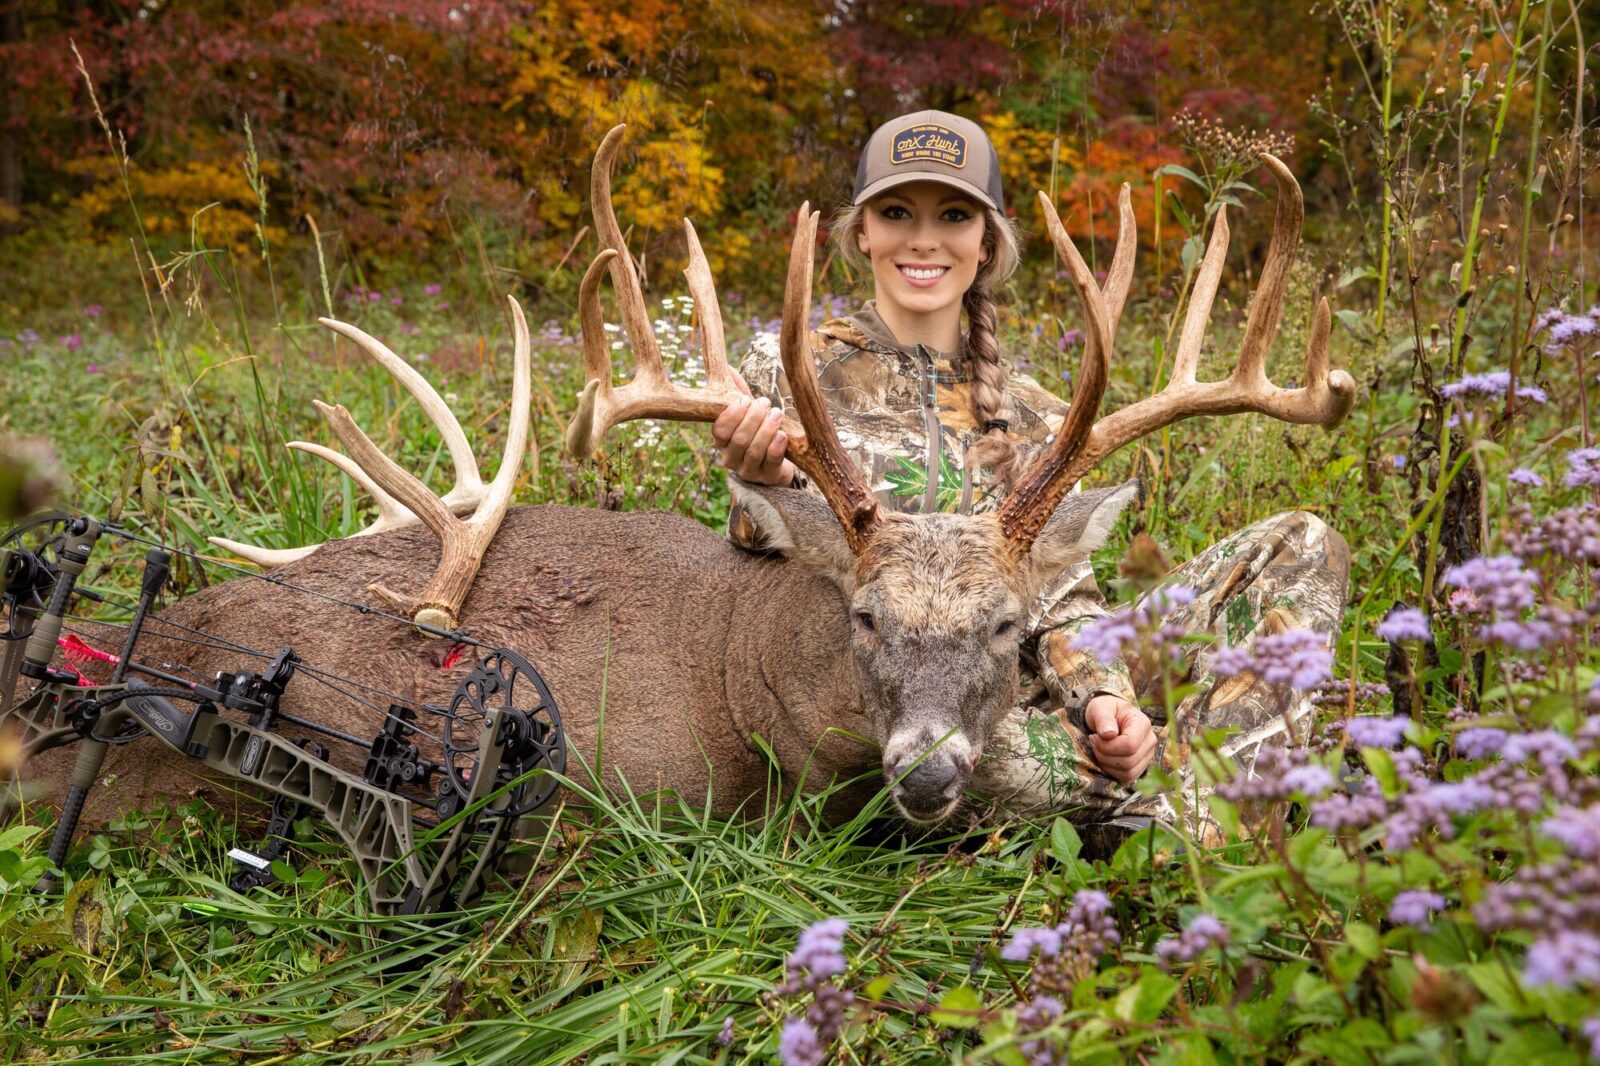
(1121, 738)
(752, 445)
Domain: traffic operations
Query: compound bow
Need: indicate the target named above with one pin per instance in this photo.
(425, 833)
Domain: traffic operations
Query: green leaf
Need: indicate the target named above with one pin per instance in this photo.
(1495, 981)
(1146, 998)
(1184, 173)
(878, 987)
(1382, 768)
(1340, 467)
(1364, 939)
(1353, 275)
(1065, 843)
(1354, 321)
(961, 1008)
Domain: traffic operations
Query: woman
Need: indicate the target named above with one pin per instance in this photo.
(932, 417)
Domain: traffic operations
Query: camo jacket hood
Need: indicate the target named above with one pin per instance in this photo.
(894, 405)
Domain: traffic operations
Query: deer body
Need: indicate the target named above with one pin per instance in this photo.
(658, 638)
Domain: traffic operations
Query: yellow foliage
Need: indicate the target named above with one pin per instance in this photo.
(212, 198)
(1026, 156)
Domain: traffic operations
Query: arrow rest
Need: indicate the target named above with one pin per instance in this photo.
(425, 834)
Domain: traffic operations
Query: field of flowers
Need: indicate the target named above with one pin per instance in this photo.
(1418, 883)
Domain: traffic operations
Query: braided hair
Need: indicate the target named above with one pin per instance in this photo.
(993, 449)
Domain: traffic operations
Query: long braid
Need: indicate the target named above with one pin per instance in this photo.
(993, 449)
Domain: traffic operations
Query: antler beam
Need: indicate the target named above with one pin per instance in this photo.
(813, 443)
(1324, 400)
(404, 500)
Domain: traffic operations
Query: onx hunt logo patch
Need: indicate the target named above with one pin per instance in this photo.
(929, 140)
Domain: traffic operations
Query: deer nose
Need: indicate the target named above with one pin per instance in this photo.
(935, 776)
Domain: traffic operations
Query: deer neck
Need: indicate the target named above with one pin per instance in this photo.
(790, 675)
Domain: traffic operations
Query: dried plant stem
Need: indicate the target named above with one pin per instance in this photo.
(1464, 291)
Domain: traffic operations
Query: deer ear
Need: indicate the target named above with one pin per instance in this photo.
(1080, 526)
(799, 524)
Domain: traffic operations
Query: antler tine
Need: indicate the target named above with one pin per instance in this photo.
(815, 449)
(1324, 400)
(464, 495)
(462, 543)
(1041, 487)
(468, 487)
(1119, 279)
(624, 279)
(1187, 360)
(704, 290)
(391, 514)
(1266, 308)
(590, 422)
(650, 394)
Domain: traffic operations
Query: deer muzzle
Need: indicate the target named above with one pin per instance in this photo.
(927, 774)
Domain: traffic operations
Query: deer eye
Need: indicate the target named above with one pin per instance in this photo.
(865, 621)
(1006, 628)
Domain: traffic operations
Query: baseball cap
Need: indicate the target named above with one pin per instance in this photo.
(930, 146)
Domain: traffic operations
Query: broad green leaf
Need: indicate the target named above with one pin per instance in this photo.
(1146, 998)
(961, 1008)
(878, 987)
(1364, 939)
(1183, 172)
(1064, 840)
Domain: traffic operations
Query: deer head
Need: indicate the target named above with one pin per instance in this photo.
(940, 603)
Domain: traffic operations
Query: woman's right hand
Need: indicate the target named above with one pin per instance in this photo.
(752, 445)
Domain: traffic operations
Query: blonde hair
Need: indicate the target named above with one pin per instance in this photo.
(993, 449)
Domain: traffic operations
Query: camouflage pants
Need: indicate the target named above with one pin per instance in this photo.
(1286, 572)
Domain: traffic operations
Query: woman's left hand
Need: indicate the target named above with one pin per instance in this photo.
(1121, 738)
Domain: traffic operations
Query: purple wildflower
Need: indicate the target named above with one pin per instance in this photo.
(29, 336)
(1480, 742)
(72, 341)
(1492, 384)
(432, 289)
(1142, 625)
(1369, 732)
(1550, 748)
(1591, 1032)
(1523, 476)
(1416, 908)
(1203, 933)
(1576, 827)
(1405, 623)
(1297, 657)
(1024, 942)
(1356, 810)
(1399, 462)
(93, 368)
(1497, 581)
(1564, 958)
(725, 1037)
(798, 1045)
(93, 311)
(1433, 806)
(1585, 467)
(1036, 1014)
(374, 297)
(1565, 328)
(820, 951)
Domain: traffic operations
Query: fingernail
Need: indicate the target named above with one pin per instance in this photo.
(774, 416)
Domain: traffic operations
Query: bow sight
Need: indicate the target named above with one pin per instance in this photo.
(426, 828)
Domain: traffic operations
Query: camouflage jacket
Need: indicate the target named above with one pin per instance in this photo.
(894, 407)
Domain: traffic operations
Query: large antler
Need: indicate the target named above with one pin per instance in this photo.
(403, 500)
(813, 443)
(1082, 443)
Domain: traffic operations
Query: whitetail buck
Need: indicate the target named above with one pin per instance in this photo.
(674, 655)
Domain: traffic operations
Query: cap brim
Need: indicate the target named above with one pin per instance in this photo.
(893, 181)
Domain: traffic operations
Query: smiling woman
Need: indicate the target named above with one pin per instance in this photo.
(927, 410)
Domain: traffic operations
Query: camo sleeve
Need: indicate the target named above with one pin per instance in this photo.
(1072, 675)
(760, 367)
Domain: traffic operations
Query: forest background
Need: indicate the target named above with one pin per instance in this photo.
(186, 187)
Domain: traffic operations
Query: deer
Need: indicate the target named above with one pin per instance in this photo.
(870, 650)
